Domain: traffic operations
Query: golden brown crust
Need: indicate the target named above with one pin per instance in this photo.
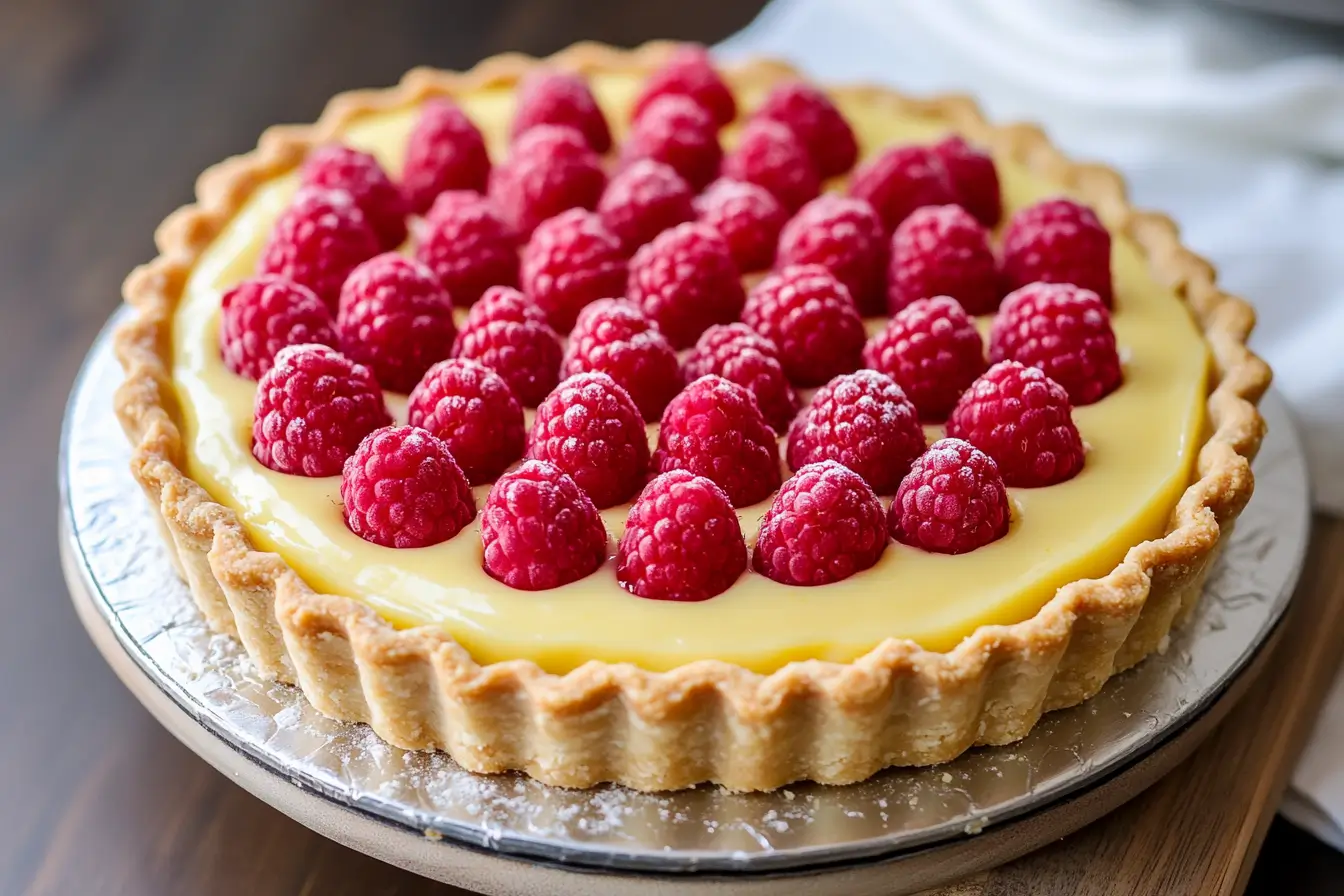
(709, 720)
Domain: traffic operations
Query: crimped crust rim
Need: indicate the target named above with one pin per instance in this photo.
(146, 407)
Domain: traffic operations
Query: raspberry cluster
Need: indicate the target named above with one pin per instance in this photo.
(579, 290)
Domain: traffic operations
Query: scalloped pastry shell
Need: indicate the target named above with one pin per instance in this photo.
(706, 721)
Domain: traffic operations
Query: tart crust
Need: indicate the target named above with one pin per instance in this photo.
(835, 723)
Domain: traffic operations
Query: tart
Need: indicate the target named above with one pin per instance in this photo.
(941, 432)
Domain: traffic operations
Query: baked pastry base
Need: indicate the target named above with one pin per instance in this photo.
(706, 721)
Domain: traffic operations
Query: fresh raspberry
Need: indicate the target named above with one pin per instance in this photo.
(1058, 241)
(714, 429)
(811, 115)
(503, 303)
(933, 350)
(508, 334)
(553, 97)
(265, 314)
(311, 410)
(685, 281)
(689, 72)
(614, 337)
(717, 344)
(975, 180)
(467, 244)
(940, 250)
(360, 175)
(549, 169)
(590, 428)
(824, 525)
(1064, 330)
(317, 242)
(845, 236)
(900, 180)
(643, 200)
(864, 421)
(402, 489)
(953, 500)
(396, 318)
(540, 530)
(475, 412)
(682, 541)
(739, 354)
(571, 260)
(747, 216)
(771, 155)
(1021, 418)
(444, 152)
(809, 315)
(680, 134)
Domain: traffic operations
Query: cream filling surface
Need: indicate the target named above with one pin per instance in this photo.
(1141, 441)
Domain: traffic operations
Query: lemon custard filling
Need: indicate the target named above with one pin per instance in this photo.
(1141, 439)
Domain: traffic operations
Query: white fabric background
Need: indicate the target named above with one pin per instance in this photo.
(1233, 124)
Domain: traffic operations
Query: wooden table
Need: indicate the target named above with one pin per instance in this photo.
(107, 112)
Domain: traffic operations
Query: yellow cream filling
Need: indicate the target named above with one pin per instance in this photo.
(1141, 442)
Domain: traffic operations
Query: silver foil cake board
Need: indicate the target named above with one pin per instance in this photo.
(898, 832)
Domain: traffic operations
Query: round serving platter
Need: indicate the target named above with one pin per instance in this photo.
(509, 834)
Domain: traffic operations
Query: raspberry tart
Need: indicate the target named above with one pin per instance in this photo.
(706, 424)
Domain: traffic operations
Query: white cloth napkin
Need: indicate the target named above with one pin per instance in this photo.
(1232, 123)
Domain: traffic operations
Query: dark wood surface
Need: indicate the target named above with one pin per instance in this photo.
(107, 112)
